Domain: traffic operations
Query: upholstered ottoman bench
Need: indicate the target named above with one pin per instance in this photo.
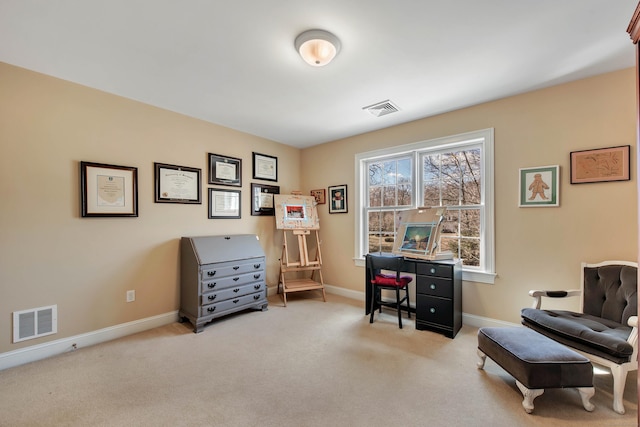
(536, 362)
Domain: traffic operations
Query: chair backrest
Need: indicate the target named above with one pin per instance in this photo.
(376, 263)
(609, 290)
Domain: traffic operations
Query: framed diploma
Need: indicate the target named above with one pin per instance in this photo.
(225, 170)
(224, 203)
(108, 190)
(262, 199)
(265, 167)
(177, 184)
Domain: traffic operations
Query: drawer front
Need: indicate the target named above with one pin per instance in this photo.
(434, 310)
(429, 269)
(232, 281)
(233, 303)
(434, 286)
(231, 268)
(233, 292)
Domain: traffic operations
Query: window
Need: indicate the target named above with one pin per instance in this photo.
(456, 172)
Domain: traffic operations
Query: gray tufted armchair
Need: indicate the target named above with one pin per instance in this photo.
(606, 328)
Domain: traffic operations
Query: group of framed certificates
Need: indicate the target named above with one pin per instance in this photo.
(112, 191)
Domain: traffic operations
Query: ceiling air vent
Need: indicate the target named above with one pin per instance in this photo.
(382, 108)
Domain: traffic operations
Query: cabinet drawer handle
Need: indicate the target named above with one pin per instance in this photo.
(432, 270)
(235, 301)
(211, 285)
(212, 297)
(432, 310)
(211, 273)
(211, 309)
(256, 265)
(235, 279)
(256, 276)
(236, 267)
(236, 290)
(256, 287)
(255, 297)
(432, 286)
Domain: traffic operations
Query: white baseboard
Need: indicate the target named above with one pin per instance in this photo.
(54, 348)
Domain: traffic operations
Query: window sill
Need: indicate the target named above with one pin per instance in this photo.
(467, 275)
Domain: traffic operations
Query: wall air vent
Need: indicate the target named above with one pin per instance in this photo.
(34, 323)
(382, 108)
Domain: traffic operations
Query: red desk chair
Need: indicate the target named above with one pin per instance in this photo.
(394, 282)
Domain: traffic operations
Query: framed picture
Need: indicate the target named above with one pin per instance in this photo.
(108, 190)
(265, 167)
(224, 203)
(320, 196)
(296, 212)
(262, 199)
(338, 199)
(177, 184)
(601, 165)
(539, 187)
(225, 170)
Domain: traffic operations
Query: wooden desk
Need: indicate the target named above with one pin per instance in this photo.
(438, 293)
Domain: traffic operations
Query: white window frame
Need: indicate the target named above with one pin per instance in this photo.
(485, 137)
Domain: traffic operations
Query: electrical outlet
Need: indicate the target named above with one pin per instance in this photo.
(131, 296)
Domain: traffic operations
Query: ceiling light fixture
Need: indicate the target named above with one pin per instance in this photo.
(317, 47)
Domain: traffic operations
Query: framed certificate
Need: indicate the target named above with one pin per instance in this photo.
(177, 184)
(262, 199)
(224, 203)
(108, 190)
(265, 167)
(225, 170)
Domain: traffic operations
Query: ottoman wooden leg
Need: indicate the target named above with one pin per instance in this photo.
(586, 393)
(483, 358)
(529, 395)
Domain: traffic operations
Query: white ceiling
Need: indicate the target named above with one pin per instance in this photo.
(232, 62)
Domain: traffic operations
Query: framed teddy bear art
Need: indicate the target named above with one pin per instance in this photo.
(539, 186)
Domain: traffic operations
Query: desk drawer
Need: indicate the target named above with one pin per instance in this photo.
(232, 304)
(224, 294)
(232, 281)
(434, 286)
(434, 310)
(231, 268)
(432, 269)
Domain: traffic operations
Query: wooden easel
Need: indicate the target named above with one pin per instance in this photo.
(303, 264)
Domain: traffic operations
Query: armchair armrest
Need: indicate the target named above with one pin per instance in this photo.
(538, 294)
(633, 321)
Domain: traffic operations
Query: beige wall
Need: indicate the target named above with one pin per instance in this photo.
(50, 255)
(535, 247)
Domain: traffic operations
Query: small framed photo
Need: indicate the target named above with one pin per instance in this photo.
(262, 199)
(177, 184)
(320, 196)
(225, 170)
(539, 187)
(108, 190)
(601, 165)
(224, 204)
(338, 199)
(265, 167)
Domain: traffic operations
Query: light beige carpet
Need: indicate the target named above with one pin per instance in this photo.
(309, 364)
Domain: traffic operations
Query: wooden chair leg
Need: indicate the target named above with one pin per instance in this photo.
(373, 304)
(408, 303)
(399, 307)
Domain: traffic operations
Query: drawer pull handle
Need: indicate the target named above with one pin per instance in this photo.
(256, 287)
(227, 238)
(211, 285)
(256, 297)
(236, 290)
(256, 276)
(432, 270)
(211, 273)
(256, 265)
(212, 297)
(432, 310)
(432, 286)
(211, 309)
(236, 267)
(235, 301)
(235, 279)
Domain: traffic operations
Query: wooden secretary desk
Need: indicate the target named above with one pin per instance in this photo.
(438, 294)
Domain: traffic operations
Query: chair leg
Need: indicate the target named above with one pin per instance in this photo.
(373, 303)
(619, 373)
(408, 303)
(399, 307)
